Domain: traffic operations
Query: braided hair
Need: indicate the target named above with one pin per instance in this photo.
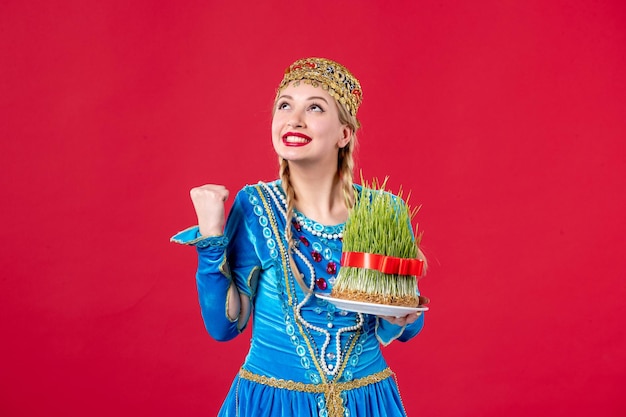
(345, 170)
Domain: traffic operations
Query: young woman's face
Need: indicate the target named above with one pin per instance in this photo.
(306, 126)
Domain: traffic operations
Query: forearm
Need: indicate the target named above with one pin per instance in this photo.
(217, 294)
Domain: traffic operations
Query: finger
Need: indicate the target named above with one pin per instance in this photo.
(412, 318)
(390, 319)
(217, 192)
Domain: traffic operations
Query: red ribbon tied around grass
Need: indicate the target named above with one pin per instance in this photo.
(383, 263)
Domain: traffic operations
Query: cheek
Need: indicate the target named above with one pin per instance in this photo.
(276, 133)
(334, 133)
(277, 122)
(275, 128)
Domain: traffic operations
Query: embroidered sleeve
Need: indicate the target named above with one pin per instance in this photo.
(223, 260)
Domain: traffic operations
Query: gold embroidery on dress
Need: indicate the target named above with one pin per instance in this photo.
(282, 250)
(331, 390)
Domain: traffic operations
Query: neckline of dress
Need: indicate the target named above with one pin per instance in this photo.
(302, 219)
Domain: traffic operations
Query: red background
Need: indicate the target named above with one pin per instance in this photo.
(505, 118)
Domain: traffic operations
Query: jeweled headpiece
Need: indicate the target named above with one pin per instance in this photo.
(331, 76)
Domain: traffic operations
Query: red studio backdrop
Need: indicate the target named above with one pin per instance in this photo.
(506, 120)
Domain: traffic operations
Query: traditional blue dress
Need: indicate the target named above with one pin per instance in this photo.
(306, 357)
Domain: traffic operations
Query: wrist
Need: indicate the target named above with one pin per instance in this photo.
(210, 231)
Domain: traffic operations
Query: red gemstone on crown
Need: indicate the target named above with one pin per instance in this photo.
(304, 240)
(331, 268)
(317, 257)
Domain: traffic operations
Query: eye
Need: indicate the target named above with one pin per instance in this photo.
(282, 105)
(316, 107)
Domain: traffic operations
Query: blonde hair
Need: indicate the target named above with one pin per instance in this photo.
(345, 170)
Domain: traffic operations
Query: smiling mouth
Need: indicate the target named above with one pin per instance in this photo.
(294, 139)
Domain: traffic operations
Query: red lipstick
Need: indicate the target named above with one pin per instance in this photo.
(295, 139)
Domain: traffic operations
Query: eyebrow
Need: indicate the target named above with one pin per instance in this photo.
(308, 99)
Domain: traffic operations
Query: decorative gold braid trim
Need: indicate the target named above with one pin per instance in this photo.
(225, 270)
(348, 352)
(321, 372)
(292, 304)
(332, 390)
(312, 352)
(395, 378)
(279, 241)
(253, 275)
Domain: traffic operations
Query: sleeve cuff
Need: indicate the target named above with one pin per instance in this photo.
(192, 237)
(387, 332)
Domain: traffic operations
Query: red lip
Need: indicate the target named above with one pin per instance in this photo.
(297, 134)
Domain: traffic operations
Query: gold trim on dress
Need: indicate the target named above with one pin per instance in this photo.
(331, 390)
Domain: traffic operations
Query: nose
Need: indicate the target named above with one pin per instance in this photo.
(296, 119)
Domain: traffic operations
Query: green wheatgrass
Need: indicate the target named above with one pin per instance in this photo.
(379, 223)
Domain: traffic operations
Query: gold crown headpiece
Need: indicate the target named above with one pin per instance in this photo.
(333, 77)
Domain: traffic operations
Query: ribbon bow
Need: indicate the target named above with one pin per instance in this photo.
(383, 263)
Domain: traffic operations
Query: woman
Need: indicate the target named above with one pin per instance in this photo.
(280, 245)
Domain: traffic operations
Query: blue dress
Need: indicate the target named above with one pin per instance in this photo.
(306, 357)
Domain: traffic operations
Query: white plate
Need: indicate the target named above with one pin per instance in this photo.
(370, 308)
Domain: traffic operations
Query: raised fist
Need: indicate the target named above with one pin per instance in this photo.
(208, 200)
